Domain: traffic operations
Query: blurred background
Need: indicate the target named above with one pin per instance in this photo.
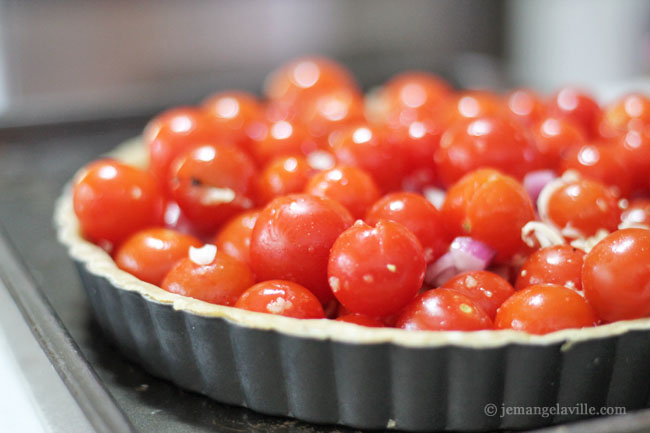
(75, 60)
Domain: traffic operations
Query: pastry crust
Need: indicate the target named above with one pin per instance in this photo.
(99, 263)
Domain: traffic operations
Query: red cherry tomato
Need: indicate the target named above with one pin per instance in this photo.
(149, 254)
(545, 308)
(361, 319)
(491, 208)
(604, 163)
(616, 275)
(376, 270)
(585, 206)
(332, 110)
(526, 105)
(234, 238)
(443, 310)
(283, 138)
(211, 184)
(239, 115)
(283, 298)
(494, 142)
(302, 79)
(637, 212)
(418, 215)
(113, 200)
(631, 112)
(634, 146)
(559, 264)
(292, 240)
(411, 90)
(221, 281)
(554, 138)
(486, 289)
(283, 175)
(350, 186)
(175, 132)
(471, 104)
(578, 107)
(369, 148)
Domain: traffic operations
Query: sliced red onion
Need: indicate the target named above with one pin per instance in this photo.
(470, 254)
(465, 254)
(436, 196)
(441, 270)
(535, 181)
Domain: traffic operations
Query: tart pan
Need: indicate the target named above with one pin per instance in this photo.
(330, 372)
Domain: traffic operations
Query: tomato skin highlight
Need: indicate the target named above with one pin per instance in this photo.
(283, 298)
(282, 176)
(443, 310)
(150, 253)
(113, 200)
(559, 264)
(486, 289)
(418, 215)
(545, 308)
(616, 275)
(491, 208)
(292, 238)
(376, 270)
(220, 282)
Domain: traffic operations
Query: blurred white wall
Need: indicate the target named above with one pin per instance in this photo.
(599, 44)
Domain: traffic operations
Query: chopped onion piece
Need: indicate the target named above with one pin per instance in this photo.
(470, 254)
(535, 181)
(441, 270)
(586, 244)
(204, 255)
(538, 233)
(436, 196)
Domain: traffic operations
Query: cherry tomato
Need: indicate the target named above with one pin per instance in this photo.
(113, 200)
(443, 310)
(486, 289)
(559, 264)
(283, 298)
(175, 132)
(211, 184)
(631, 112)
(376, 270)
(332, 110)
(526, 105)
(369, 148)
(283, 175)
(578, 107)
(411, 90)
(234, 238)
(491, 208)
(150, 253)
(361, 319)
(600, 162)
(418, 215)
(471, 104)
(238, 114)
(634, 146)
(221, 281)
(303, 79)
(282, 138)
(545, 308)
(584, 206)
(495, 142)
(616, 275)
(292, 240)
(637, 212)
(350, 186)
(554, 138)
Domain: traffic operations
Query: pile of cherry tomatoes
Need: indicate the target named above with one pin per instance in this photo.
(312, 203)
